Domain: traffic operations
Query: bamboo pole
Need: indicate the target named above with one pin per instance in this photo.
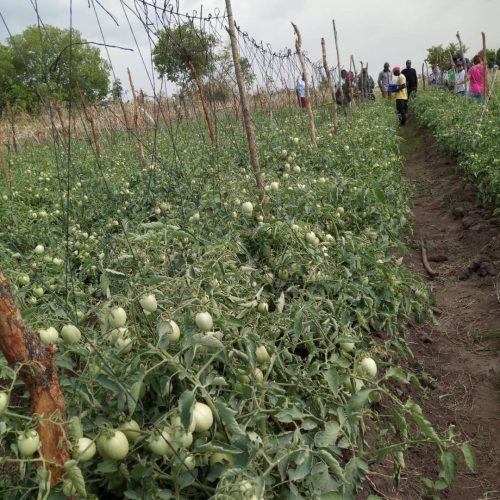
(331, 86)
(485, 69)
(136, 118)
(344, 107)
(22, 347)
(298, 47)
(252, 146)
(423, 77)
(464, 62)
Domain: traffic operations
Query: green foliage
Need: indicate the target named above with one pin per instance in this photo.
(35, 65)
(179, 48)
(116, 90)
(442, 55)
(288, 427)
(460, 131)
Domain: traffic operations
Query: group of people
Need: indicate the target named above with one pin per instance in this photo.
(456, 78)
(400, 85)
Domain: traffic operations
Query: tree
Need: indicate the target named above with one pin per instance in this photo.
(497, 57)
(117, 90)
(491, 57)
(40, 58)
(184, 52)
(441, 55)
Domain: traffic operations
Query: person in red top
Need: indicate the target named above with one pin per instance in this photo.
(477, 79)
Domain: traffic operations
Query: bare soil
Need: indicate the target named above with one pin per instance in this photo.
(460, 352)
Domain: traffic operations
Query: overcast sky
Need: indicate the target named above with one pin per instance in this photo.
(374, 31)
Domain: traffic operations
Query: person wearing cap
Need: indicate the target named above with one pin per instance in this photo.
(400, 94)
(460, 78)
(411, 78)
(384, 79)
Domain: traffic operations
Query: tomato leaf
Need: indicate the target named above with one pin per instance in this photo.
(333, 380)
(227, 415)
(469, 456)
(449, 471)
(186, 404)
(328, 437)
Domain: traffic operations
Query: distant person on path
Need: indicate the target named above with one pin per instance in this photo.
(401, 94)
(451, 78)
(384, 79)
(346, 89)
(366, 84)
(436, 77)
(477, 79)
(460, 78)
(301, 91)
(411, 78)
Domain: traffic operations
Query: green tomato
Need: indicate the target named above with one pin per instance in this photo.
(261, 355)
(28, 443)
(368, 367)
(70, 334)
(203, 417)
(159, 443)
(117, 317)
(84, 449)
(113, 446)
(149, 303)
(49, 336)
(131, 430)
(204, 321)
(4, 401)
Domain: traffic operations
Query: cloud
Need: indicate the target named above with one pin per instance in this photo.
(371, 30)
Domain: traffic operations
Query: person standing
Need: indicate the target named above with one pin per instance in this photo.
(460, 78)
(411, 78)
(384, 79)
(436, 77)
(477, 79)
(301, 91)
(401, 94)
(366, 84)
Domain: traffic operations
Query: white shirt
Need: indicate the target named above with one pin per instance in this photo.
(301, 88)
(460, 79)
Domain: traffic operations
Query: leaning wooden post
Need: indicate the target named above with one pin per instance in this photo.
(136, 119)
(344, 107)
(464, 62)
(22, 347)
(331, 86)
(252, 147)
(423, 77)
(485, 69)
(298, 47)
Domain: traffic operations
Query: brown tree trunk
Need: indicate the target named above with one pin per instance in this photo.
(22, 346)
(331, 86)
(203, 103)
(298, 47)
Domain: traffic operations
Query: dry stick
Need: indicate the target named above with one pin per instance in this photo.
(125, 119)
(21, 346)
(5, 168)
(90, 119)
(463, 61)
(423, 77)
(203, 103)
(13, 128)
(425, 262)
(298, 47)
(363, 83)
(485, 69)
(136, 124)
(338, 62)
(252, 147)
(331, 86)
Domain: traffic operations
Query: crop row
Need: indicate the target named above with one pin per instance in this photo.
(464, 131)
(210, 345)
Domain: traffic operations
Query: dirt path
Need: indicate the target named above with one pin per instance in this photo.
(461, 351)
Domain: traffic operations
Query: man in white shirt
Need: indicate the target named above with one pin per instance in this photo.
(301, 92)
(460, 78)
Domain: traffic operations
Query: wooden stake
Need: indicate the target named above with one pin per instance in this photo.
(423, 77)
(298, 47)
(13, 128)
(464, 62)
(485, 69)
(21, 346)
(252, 147)
(331, 86)
(344, 107)
(136, 119)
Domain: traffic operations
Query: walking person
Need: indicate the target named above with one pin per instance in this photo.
(477, 79)
(384, 80)
(401, 94)
(411, 78)
(301, 91)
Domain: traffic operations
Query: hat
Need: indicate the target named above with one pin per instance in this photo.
(396, 68)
